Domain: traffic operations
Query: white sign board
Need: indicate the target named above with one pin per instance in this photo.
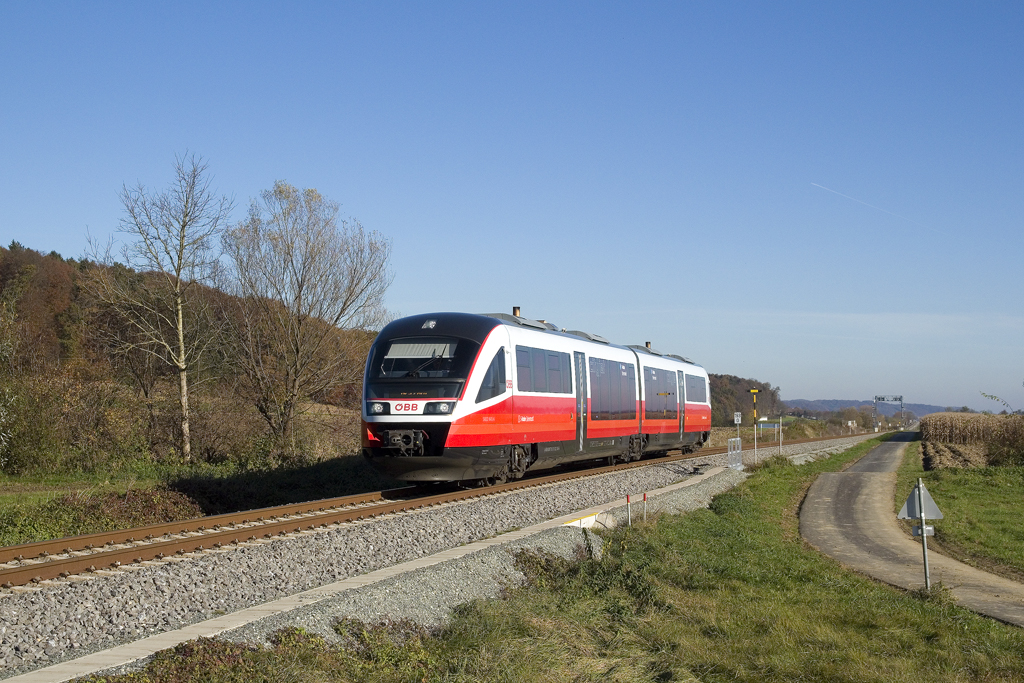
(737, 418)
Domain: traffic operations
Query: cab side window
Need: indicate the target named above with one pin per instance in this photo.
(494, 379)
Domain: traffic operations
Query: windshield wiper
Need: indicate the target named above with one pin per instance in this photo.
(415, 373)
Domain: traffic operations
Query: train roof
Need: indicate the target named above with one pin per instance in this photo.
(544, 326)
(478, 326)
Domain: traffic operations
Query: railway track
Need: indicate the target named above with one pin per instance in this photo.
(33, 563)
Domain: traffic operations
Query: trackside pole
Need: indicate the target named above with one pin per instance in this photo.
(920, 506)
(754, 392)
(629, 512)
(924, 534)
(645, 506)
(755, 443)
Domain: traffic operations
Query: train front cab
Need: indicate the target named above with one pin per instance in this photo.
(436, 398)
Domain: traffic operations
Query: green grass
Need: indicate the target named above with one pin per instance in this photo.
(41, 507)
(983, 512)
(726, 594)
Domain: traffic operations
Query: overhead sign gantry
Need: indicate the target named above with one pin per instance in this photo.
(888, 399)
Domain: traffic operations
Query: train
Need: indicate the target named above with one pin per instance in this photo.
(480, 399)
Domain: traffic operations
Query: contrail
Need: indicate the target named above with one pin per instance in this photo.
(878, 208)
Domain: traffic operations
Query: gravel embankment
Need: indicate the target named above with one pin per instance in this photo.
(67, 619)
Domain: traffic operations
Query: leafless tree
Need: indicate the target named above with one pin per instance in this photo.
(305, 282)
(170, 250)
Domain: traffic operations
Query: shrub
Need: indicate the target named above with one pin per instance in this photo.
(60, 422)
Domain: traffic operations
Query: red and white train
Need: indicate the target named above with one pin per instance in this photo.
(484, 398)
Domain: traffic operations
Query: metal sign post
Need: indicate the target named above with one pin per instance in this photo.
(920, 506)
(737, 418)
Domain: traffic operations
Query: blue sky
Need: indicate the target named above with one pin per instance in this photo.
(826, 197)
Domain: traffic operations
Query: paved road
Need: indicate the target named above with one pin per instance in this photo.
(849, 516)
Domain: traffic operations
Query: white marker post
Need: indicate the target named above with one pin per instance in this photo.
(920, 506)
(753, 393)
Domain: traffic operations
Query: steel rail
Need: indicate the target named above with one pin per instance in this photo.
(96, 540)
(92, 552)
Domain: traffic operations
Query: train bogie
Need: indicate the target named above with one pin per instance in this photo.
(460, 397)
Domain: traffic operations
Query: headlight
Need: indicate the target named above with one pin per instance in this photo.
(439, 408)
(378, 408)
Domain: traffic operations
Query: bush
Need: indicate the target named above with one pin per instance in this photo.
(60, 422)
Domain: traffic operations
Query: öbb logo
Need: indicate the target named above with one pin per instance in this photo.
(405, 407)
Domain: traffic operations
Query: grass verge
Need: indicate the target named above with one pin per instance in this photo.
(35, 508)
(726, 594)
(982, 510)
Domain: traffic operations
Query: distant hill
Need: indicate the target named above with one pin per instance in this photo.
(730, 394)
(833, 405)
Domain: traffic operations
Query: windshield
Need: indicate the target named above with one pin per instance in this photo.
(419, 367)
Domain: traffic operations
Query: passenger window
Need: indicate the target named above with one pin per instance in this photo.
(523, 368)
(494, 379)
(696, 389)
(554, 371)
(612, 390)
(540, 380)
(543, 371)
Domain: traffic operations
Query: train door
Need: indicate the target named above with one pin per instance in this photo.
(581, 399)
(682, 403)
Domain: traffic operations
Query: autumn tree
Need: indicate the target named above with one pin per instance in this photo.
(306, 283)
(170, 250)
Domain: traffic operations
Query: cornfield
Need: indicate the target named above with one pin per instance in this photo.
(1001, 435)
(960, 428)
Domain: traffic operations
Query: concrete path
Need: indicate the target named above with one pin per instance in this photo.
(849, 516)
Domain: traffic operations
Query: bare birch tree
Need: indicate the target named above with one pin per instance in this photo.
(303, 278)
(171, 249)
